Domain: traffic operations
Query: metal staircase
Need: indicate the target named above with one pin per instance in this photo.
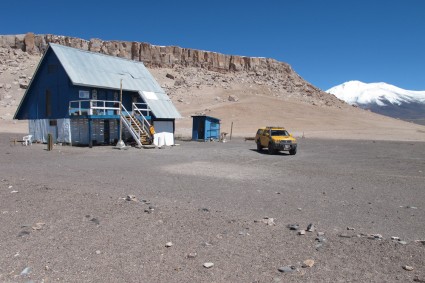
(137, 125)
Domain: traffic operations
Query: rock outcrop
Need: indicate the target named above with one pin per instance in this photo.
(189, 69)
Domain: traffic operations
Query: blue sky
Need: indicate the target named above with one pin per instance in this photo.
(327, 42)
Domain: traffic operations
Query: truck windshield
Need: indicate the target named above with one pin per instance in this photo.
(279, 133)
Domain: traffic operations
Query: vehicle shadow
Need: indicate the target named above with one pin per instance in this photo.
(266, 152)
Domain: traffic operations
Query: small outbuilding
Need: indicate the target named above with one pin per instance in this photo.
(205, 128)
(80, 97)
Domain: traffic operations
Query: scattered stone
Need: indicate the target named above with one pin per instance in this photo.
(192, 255)
(310, 227)
(293, 226)
(208, 264)
(26, 271)
(206, 244)
(95, 221)
(170, 76)
(420, 241)
(375, 236)
(23, 85)
(204, 209)
(350, 228)
(321, 239)
(308, 263)
(10, 187)
(411, 207)
(299, 208)
(233, 98)
(131, 198)
(416, 279)
(402, 242)
(268, 221)
(98, 252)
(301, 232)
(168, 244)
(395, 238)
(38, 226)
(14, 192)
(408, 267)
(287, 269)
(320, 233)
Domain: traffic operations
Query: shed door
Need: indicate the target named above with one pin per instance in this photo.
(201, 129)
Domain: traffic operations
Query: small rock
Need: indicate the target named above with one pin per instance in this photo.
(170, 76)
(169, 244)
(287, 269)
(308, 263)
(98, 252)
(10, 187)
(310, 227)
(320, 233)
(376, 236)
(26, 271)
(350, 228)
(233, 98)
(95, 221)
(321, 239)
(208, 264)
(14, 192)
(293, 227)
(301, 232)
(269, 221)
(131, 198)
(395, 238)
(411, 207)
(38, 226)
(402, 242)
(192, 255)
(408, 267)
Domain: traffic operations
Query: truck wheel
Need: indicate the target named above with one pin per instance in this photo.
(293, 151)
(271, 149)
(259, 147)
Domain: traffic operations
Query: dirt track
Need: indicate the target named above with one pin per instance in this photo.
(209, 199)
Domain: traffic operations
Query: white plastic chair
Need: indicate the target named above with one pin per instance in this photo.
(27, 140)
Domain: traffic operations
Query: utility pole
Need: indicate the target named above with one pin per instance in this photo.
(120, 143)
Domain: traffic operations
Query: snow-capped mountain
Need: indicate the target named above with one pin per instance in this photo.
(384, 99)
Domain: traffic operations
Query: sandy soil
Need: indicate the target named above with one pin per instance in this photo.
(64, 217)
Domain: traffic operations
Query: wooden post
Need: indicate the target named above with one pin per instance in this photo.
(90, 133)
(231, 131)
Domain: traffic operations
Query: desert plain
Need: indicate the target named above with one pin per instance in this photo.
(76, 214)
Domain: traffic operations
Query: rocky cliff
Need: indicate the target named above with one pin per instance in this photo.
(195, 80)
(268, 70)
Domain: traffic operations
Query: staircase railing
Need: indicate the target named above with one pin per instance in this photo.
(139, 112)
(135, 133)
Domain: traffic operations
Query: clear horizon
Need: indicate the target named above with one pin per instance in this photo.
(326, 42)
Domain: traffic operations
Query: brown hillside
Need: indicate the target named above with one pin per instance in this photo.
(250, 92)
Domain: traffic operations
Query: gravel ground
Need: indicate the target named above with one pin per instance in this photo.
(64, 214)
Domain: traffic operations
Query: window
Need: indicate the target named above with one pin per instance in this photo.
(53, 122)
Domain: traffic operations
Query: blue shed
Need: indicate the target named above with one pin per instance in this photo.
(74, 95)
(205, 128)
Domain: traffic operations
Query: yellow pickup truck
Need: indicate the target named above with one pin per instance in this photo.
(275, 139)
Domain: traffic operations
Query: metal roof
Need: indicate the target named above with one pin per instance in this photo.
(104, 71)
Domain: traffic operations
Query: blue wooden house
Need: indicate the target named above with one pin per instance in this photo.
(205, 128)
(75, 95)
